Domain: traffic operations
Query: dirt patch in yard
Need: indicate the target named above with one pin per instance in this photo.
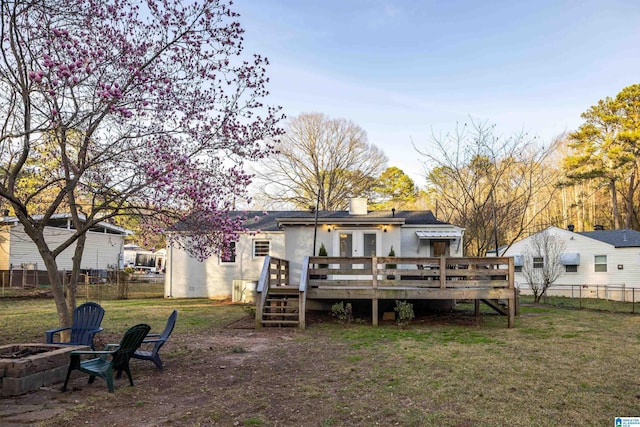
(231, 376)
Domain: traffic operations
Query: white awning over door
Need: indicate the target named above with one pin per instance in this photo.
(438, 234)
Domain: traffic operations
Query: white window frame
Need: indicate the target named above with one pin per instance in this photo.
(256, 243)
(597, 264)
(538, 262)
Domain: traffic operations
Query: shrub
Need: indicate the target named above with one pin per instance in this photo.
(343, 312)
(405, 312)
(391, 253)
(322, 252)
(250, 310)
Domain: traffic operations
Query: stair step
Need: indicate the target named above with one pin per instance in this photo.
(280, 309)
(282, 322)
(291, 290)
(289, 314)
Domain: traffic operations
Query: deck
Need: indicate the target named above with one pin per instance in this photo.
(488, 280)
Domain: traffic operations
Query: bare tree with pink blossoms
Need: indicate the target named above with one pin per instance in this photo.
(128, 107)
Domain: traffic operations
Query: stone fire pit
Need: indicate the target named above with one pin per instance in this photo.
(27, 367)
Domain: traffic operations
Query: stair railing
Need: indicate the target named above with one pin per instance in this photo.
(262, 290)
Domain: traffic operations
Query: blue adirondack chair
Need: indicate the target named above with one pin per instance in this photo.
(115, 357)
(155, 341)
(86, 322)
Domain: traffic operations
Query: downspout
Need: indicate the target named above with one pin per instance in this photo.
(315, 224)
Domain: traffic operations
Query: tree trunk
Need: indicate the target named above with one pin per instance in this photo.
(630, 196)
(614, 204)
(65, 312)
(536, 297)
(64, 292)
(72, 284)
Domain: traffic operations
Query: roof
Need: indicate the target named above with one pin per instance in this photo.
(345, 218)
(273, 220)
(618, 238)
(59, 220)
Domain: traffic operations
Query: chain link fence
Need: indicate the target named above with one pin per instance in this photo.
(94, 285)
(610, 297)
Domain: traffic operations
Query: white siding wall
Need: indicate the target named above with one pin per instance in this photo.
(299, 244)
(628, 258)
(393, 237)
(186, 277)
(101, 249)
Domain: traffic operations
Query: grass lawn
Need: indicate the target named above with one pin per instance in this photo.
(556, 367)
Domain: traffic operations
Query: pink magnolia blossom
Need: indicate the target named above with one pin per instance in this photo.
(145, 108)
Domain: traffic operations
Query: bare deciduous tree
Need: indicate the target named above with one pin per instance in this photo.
(542, 264)
(318, 154)
(487, 184)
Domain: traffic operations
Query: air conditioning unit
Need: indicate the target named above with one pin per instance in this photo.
(244, 291)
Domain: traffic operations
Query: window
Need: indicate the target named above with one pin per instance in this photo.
(369, 244)
(229, 256)
(538, 262)
(600, 262)
(261, 248)
(517, 268)
(571, 268)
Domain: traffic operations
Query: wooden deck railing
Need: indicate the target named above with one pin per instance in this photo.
(376, 278)
(388, 278)
(458, 272)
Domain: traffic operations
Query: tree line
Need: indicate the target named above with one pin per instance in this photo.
(499, 189)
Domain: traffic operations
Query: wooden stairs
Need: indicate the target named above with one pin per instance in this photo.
(281, 307)
(500, 307)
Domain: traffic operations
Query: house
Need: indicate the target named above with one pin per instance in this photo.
(591, 258)
(103, 246)
(294, 235)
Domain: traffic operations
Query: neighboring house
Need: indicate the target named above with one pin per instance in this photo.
(600, 257)
(290, 235)
(103, 246)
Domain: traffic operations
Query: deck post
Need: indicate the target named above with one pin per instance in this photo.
(476, 306)
(443, 272)
(512, 311)
(374, 312)
(512, 302)
(374, 284)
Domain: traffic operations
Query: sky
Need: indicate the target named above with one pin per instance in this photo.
(409, 71)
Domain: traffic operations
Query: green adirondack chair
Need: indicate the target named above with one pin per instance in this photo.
(113, 357)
